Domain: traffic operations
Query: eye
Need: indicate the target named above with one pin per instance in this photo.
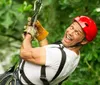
(77, 33)
(71, 27)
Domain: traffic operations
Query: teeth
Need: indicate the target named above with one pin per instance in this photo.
(68, 37)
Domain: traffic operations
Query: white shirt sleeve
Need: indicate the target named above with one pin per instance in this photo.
(53, 56)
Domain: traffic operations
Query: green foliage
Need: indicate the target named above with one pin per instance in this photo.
(55, 16)
(12, 20)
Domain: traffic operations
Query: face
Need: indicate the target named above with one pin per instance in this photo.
(73, 35)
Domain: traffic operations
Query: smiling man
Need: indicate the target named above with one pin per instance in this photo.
(51, 64)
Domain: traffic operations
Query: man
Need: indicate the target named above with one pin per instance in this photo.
(45, 61)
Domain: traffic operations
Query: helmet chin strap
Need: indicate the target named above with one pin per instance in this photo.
(76, 45)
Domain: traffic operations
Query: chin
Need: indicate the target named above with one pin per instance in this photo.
(64, 43)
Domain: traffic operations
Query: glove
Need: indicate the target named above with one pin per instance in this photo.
(41, 32)
(29, 29)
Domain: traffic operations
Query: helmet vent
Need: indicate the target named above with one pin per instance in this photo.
(86, 24)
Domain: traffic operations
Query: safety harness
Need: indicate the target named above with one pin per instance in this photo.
(24, 76)
(62, 63)
(43, 75)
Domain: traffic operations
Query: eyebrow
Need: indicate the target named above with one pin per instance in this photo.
(80, 31)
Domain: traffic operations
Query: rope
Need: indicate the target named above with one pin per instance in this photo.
(37, 8)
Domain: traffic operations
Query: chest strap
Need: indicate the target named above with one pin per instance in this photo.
(24, 76)
(43, 72)
(43, 76)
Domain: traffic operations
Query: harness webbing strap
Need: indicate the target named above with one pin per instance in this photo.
(43, 70)
(63, 80)
(43, 76)
(24, 76)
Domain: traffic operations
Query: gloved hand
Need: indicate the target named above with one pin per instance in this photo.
(38, 31)
(41, 32)
(29, 29)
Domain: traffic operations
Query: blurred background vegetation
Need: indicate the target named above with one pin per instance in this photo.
(55, 16)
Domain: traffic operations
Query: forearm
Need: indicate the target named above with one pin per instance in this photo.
(30, 54)
(26, 47)
(27, 42)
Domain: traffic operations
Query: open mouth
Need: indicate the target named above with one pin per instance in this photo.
(68, 37)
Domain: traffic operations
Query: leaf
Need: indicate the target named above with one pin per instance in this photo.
(7, 21)
(2, 12)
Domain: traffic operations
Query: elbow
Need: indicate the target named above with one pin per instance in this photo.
(22, 54)
(25, 54)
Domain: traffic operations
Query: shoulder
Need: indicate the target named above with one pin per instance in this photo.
(53, 55)
(70, 52)
(51, 46)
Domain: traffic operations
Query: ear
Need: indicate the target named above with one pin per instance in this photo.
(84, 42)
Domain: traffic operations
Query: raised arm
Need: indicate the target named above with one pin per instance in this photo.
(30, 54)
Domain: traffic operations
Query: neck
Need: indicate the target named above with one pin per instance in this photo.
(75, 49)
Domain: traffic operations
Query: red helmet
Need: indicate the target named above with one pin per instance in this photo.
(88, 25)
